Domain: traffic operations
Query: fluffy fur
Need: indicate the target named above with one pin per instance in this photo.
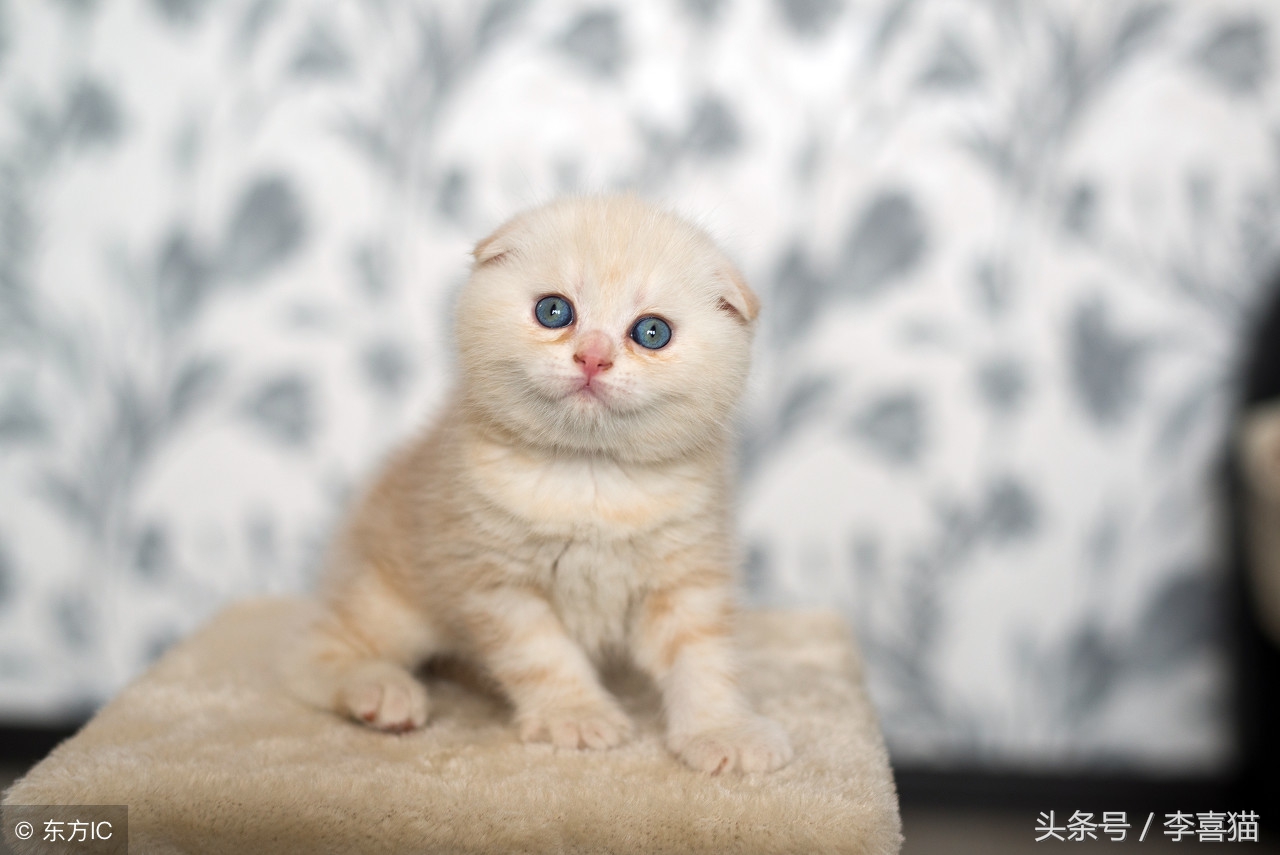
(212, 758)
(570, 504)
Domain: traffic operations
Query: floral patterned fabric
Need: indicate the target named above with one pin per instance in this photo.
(1007, 252)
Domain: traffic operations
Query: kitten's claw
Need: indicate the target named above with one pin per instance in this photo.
(754, 745)
(389, 701)
(597, 727)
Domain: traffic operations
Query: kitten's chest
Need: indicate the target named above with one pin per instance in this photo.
(584, 499)
(591, 533)
(593, 588)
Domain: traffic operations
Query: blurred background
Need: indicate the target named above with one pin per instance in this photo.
(1013, 256)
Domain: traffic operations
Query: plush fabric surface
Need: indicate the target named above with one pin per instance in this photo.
(211, 756)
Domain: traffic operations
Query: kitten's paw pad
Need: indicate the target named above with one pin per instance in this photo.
(755, 745)
(595, 727)
(395, 704)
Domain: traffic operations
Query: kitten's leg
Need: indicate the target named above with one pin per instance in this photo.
(355, 658)
(683, 639)
(557, 695)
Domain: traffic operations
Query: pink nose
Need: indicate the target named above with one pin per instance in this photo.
(594, 354)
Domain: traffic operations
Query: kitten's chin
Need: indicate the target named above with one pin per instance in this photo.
(605, 421)
(582, 398)
(588, 411)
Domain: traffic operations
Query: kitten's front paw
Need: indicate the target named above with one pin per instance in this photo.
(595, 726)
(387, 699)
(756, 744)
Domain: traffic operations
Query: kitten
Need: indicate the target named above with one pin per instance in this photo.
(571, 502)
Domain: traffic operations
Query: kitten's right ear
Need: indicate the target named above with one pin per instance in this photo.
(496, 245)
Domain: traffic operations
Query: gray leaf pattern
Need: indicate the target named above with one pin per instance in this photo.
(452, 200)
(255, 20)
(953, 67)
(713, 130)
(994, 285)
(92, 117)
(1182, 620)
(810, 17)
(1080, 213)
(73, 618)
(219, 309)
(893, 20)
(69, 499)
(387, 366)
(499, 16)
(371, 269)
(21, 420)
(1091, 667)
(283, 409)
(196, 382)
(1236, 54)
(799, 291)
(595, 41)
(893, 427)
(153, 557)
(887, 240)
(1003, 384)
(1139, 26)
(1011, 511)
(265, 229)
(1106, 364)
(321, 54)
(181, 12)
(703, 11)
(183, 278)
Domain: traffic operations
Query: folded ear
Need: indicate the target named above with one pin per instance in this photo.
(496, 245)
(736, 296)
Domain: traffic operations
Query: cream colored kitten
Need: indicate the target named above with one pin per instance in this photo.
(571, 502)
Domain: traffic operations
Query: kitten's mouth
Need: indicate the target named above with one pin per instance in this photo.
(592, 395)
(582, 396)
(588, 391)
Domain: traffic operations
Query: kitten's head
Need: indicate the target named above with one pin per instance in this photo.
(604, 325)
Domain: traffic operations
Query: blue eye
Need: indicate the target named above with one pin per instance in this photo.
(651, 332)
(554, 312)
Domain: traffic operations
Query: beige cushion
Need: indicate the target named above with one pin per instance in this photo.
(211, 756)
(1259, 440)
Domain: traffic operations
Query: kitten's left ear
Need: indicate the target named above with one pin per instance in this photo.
(736, 296)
